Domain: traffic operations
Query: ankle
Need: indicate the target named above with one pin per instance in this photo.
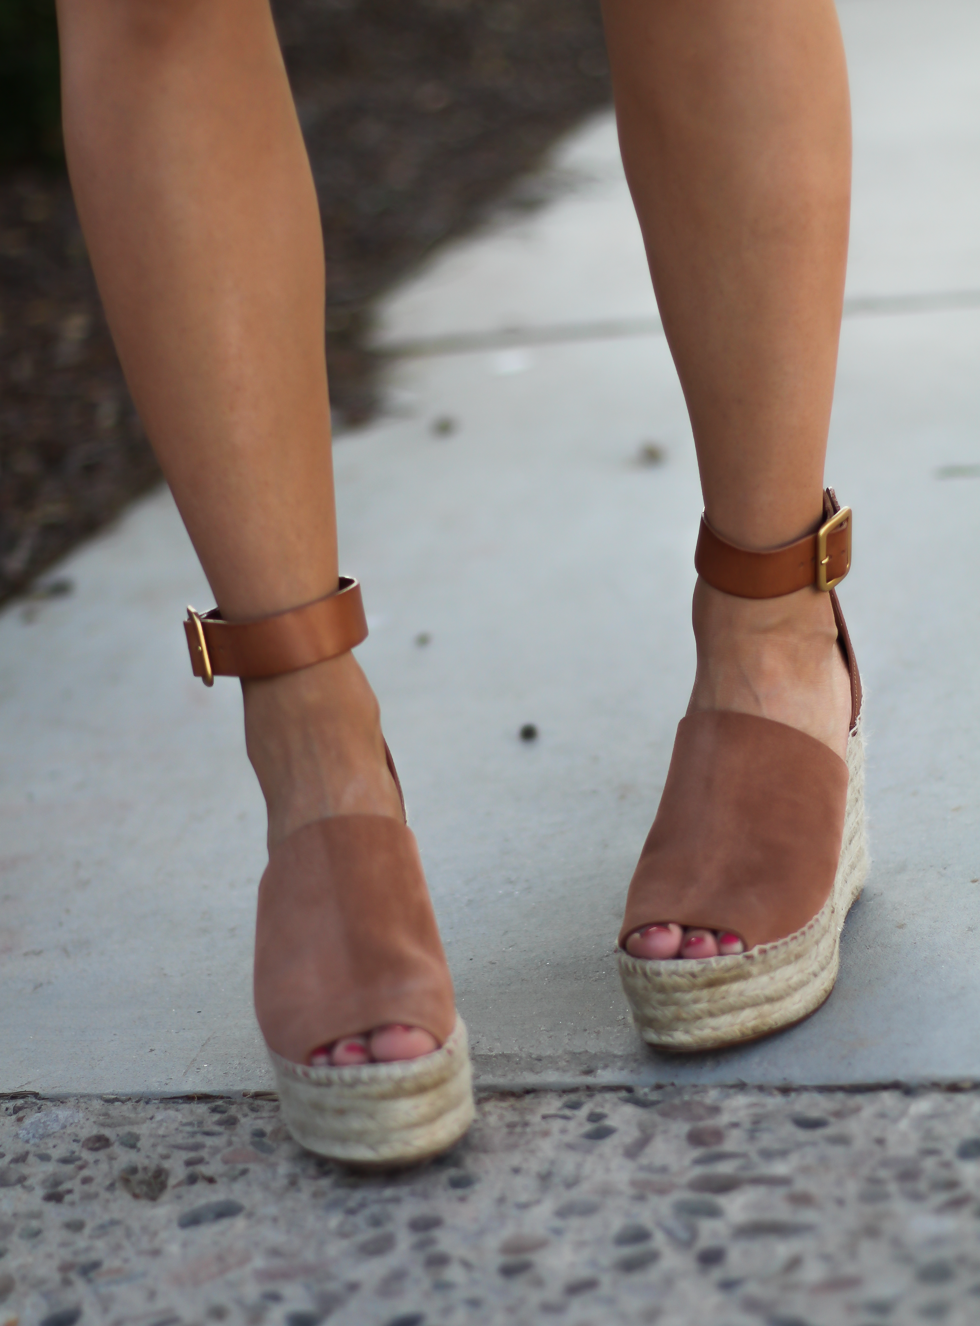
(802, 621)
(314, 740)
(776, 658)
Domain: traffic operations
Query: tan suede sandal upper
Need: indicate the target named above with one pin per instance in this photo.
(346, 938)
(760, 831)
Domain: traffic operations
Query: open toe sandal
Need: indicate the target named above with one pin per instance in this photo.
(760, 832)
(346, 939)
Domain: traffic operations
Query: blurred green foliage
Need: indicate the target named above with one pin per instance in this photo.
(30, 96)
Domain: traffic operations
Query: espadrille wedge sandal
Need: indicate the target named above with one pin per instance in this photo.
(760, 832)
(346, 939)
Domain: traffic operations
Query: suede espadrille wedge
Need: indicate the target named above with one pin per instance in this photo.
(760, 832)
(346, 939)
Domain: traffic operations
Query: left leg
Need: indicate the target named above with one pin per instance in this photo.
(734, 125)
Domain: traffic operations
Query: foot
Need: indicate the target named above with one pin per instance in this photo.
(778, 659)
(314, 740)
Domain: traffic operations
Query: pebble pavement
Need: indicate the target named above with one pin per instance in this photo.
(720, 1206)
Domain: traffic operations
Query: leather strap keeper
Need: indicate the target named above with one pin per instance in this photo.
(822, 559)
(286, 642)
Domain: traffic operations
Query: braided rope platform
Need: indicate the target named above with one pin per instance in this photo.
(707, 1003)
(380, 1115)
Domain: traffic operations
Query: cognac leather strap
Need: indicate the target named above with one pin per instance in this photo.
(283, 643)
(822, 558)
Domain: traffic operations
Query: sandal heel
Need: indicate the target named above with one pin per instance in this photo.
(705, 1004)
(346, 940)
(750, 814)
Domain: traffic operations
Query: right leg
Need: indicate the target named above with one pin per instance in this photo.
(199, 212)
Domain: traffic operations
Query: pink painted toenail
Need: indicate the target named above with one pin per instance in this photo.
(320, 1058)
(693, 939)
(352, 1047)
(729, 939)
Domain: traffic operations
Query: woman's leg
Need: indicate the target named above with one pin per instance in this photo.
(734, 123)
(199, 212)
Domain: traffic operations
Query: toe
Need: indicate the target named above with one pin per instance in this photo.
(349, 1051)
(389, 1044)
(729, 943)
(655, 941)
(699, 944)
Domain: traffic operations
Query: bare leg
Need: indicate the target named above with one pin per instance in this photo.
(198, 207)
(734, 123)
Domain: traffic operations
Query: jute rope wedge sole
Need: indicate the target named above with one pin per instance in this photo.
(708, 1003)
(345, 938)
(380, 1115)
(760, 831)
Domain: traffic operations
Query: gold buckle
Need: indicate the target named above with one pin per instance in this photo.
(841, 519)
(207, 676)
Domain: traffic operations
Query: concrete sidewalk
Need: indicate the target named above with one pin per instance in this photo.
(527, 559)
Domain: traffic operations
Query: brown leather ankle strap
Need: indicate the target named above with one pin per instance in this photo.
(283, 643)
(822, 558)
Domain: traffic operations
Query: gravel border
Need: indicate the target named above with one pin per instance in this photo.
(725, 1206)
